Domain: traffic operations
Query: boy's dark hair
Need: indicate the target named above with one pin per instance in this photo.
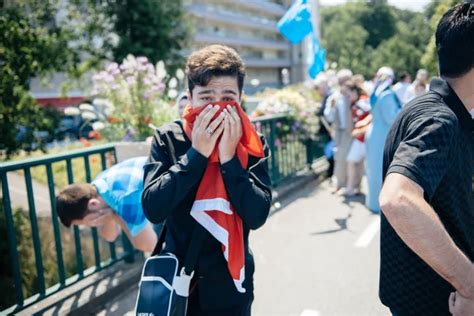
(455, 41)
(71, 203)
(214, 61)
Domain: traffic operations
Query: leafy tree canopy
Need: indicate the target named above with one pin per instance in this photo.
(378, 34)
(156, 29)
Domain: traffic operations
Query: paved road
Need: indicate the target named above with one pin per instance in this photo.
(317, 255)
(19, 197)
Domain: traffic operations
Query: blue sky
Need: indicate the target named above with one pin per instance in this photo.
(415, 5)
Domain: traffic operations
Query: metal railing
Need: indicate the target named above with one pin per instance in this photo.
(290, 153)
(81, 271)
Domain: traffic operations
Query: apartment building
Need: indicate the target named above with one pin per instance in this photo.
(249, 26)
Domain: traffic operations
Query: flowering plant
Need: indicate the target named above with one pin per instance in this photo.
(133, 97)
(300, 110)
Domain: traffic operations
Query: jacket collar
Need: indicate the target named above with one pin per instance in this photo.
(441, 87)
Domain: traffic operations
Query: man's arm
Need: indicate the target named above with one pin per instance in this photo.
(402, 201)
(145, 240)
(109, 231)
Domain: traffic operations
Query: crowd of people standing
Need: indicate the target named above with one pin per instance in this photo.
(358, 114)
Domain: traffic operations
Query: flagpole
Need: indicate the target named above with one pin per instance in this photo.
(314, 8)
(316, 17)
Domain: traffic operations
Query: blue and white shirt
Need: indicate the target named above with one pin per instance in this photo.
(121, 187)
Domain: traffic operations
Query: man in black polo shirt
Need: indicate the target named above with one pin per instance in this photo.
(427, 236)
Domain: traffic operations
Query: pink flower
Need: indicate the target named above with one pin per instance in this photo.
(131, 80)
(142, 60)
(111, 67)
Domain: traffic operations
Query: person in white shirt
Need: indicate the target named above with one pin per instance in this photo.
(401, 87)
(337, 112)
(421, 78)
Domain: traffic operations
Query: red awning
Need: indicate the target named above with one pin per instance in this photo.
(58, 102)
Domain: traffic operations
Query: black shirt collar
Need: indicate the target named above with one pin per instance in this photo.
(442, 87)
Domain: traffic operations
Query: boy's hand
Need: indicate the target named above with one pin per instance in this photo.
(206, 131)
(99, 218)
(231, 136)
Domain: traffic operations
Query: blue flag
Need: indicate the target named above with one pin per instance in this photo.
(296, 23)
(318, 64)
(318, 56)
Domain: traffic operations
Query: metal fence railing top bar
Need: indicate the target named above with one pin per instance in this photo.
(34, 162)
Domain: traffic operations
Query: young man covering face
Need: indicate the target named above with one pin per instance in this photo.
(208, 172)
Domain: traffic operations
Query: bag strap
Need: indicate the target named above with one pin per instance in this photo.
(194, 247)
(162, 235)
(161, 240)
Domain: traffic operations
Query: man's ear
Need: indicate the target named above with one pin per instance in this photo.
(93, 204)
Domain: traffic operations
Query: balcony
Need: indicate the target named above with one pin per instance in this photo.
(246, 42)
(267, 63)
(231, 18)
(260, 6)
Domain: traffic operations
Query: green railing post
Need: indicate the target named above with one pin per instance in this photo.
(35, 233)
(113, 255)
(12, 244)
(128, 249)
(309, 151)
(95, 236)
(77, 233)
(273, 150)
(56, 228)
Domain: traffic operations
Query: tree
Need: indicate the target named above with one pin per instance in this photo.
(155, 29)
(398, 54)
(378, 20)
(346, 48)
(365, 35)
(37, 38)
(25, 52)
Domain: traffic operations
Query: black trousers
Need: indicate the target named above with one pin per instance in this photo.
(194, 308)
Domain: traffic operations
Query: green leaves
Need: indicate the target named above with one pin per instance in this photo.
(366, 35)
(37, 38)
(152, 28)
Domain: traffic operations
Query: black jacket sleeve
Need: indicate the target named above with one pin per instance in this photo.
(166, 184)
(249, 190)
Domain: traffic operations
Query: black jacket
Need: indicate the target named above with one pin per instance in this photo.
(169, 193)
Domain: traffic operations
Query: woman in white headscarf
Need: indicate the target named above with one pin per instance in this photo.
(385, 106)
